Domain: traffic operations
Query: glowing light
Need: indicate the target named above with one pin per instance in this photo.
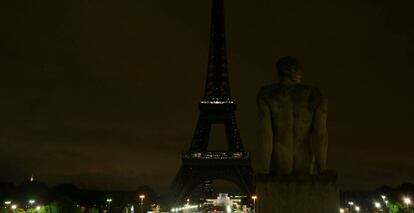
(186, 207)
(254, 197)
(32, 201)
(377, 205)
(407, 200)
(217, 102)
(38, 208)
(109, 200)
(357, 208)
(14, 206)
(142, 196)
(383, 197)
(7, 202)
(341, 210)
(351, 203)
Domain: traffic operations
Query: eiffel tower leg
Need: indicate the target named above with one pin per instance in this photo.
(232, 133)
(201, 135)
(176, 187)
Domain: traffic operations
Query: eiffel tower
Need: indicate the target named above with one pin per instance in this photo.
(217, 107)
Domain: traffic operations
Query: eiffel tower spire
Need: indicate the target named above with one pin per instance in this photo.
(217, 86)
(217, 106)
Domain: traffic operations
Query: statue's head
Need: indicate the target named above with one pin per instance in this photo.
(288, 69)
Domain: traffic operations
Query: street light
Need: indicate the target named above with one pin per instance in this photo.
(254, 198)
(142, 196)
(341, 210)
(14, 207)
(109, 200)
(407, 201)
(377, 205)
(38, 208)
(31, 202)
(351, 204)
(7, 202)
(357, 208)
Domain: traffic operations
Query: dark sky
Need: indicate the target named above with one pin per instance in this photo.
(104, 93)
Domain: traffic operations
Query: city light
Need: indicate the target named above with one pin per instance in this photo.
(407, 201)
(38, 208)
(7, 202)
(383, 197)
(351, 203)
(341, 210)
(14, 206)
(142, 196)
(32, 201)
(217, 102)
(357, 208)
(187, 207)
(377, 205)
(254, 197)
(109, 200)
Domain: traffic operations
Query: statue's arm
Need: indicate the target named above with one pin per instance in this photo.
(320, 134)
(265, 138)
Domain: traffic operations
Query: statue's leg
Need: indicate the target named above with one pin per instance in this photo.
(283, 155)
(303, 159)
(320, 151)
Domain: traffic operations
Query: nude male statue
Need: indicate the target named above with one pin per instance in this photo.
(293, 137)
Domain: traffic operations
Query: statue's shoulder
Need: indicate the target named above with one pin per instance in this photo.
(317, 92)
(311, 90)
(314, 96)
(268, 90)
(298, 90)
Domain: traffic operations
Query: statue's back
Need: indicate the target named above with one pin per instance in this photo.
(292, 108)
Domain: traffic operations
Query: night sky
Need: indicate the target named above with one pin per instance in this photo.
(104, 94)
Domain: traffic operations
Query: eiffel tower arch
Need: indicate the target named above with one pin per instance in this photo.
(217, 107)
(189, 177)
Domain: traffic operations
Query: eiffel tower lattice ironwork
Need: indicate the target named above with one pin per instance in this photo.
(217, 107)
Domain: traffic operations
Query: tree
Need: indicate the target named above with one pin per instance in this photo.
(395, 207)
(66, 205)
(93, 210)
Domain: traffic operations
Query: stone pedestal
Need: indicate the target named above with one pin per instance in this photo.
(297, 194)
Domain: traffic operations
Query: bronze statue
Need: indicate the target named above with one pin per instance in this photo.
(293, 137)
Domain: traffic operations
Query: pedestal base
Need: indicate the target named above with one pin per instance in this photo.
(297, 194)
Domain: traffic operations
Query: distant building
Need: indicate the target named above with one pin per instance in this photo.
(225, 203)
